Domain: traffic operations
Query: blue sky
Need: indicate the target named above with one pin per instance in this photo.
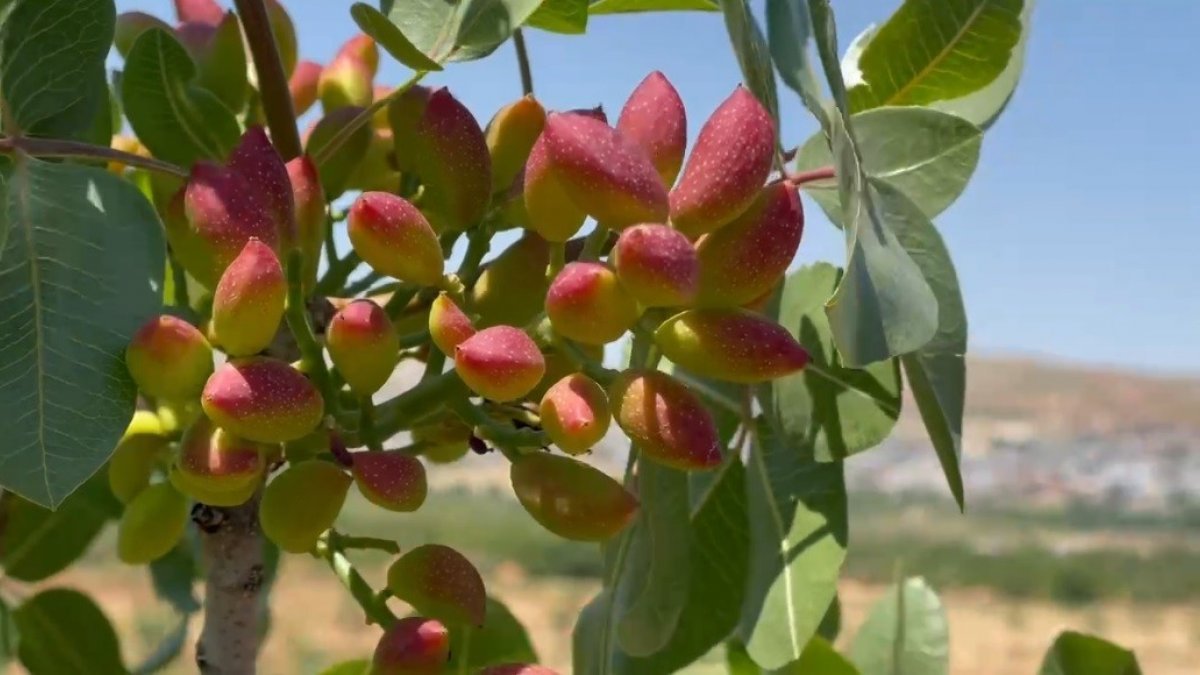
(1079, 234)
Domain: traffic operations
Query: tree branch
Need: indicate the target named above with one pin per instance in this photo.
(272, 80)
(233, 555)
(53, 147)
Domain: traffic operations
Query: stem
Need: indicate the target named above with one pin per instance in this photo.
(329, 549)
(594, 244)
(362, 284)
(506, 438)
(427, 396)
(811, 176)
(337, 273)
(311, 356)
(272, 80)
(346, 541)
(366, 424)
(233, 555)
(479, 242)
(558, 259)
(523, 62)
(179, 279)
(53, 147)
(399, 301)
(326, 151)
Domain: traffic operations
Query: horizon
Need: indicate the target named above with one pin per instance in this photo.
(1038, 236)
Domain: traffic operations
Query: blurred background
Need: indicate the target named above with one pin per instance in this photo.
(1075, 246)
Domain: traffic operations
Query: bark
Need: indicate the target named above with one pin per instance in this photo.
(233, 556)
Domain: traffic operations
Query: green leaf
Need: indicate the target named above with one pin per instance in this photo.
(460, 31)
(798, 537)
(374, 23)
(937, 372)
(569, 17)
(501, 640)
(882, 307)
(984, 106)
(173, 116)
(929, 155)
(168, 649)
(8, 635)
(753, 55)
(630, 6)
(936, 50)
(51, 57)
(358, 667)
(819, 658)
(905, 632)
(1080, 654)
(720, 543)
(831, 624)
(651, 589)
(80, 273)
(738, 661)
(174, 576)
(64, 633)
(788, 33)
(38, 543)
(592, 644)
(838, 411)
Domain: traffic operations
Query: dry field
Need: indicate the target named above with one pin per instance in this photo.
(316, 625)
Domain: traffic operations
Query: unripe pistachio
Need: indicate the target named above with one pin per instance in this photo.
(262, 399)
(412, 646)
(654, 118)
(605, 174)
(133, 461)
(500, 363)
(301, 503)
(404, 114)
(657, 265)
(393, 237)
(363, 345)
(309, 199)
(169, 358)
(336, 169)
(547, 208)
(448, 325)
(512, 287)
(587, 303)
(575, 413)
(203, 495)
(151, 525)
(570, 498)
(130, 25)
(249, 300)
(745, 259)
(376, 170)
(260, 165)
(730, 344)
(510, 136)
(665, 420)
(444, 439)
(213, 460)
(303, 86)
(727, 166)
(347, 80)
(440, 582)
(451, 157)
(199, 11)
(391, 479)
(222, 211)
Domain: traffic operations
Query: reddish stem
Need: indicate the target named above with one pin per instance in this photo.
(811, 176)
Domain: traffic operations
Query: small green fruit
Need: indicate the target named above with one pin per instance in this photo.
(449, 326)
(413, 645)
(301, 503)
(575, 413)
(440, 582)
(665, 420)
(500, 363)
(169, 358)
(392, 236)
(733, 345)
(249, 300)
(587, 303)
(392, 480)
(151, 525)
(262, 399)
(363, 344)
(570, 498)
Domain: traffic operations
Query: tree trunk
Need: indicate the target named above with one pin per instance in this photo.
(233, 560)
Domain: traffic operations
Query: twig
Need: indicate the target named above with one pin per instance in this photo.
(811, 176)
(523, 62)
(312, 359)
(53, 147)
(326, 151)
(329, 550)
(272, 80)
